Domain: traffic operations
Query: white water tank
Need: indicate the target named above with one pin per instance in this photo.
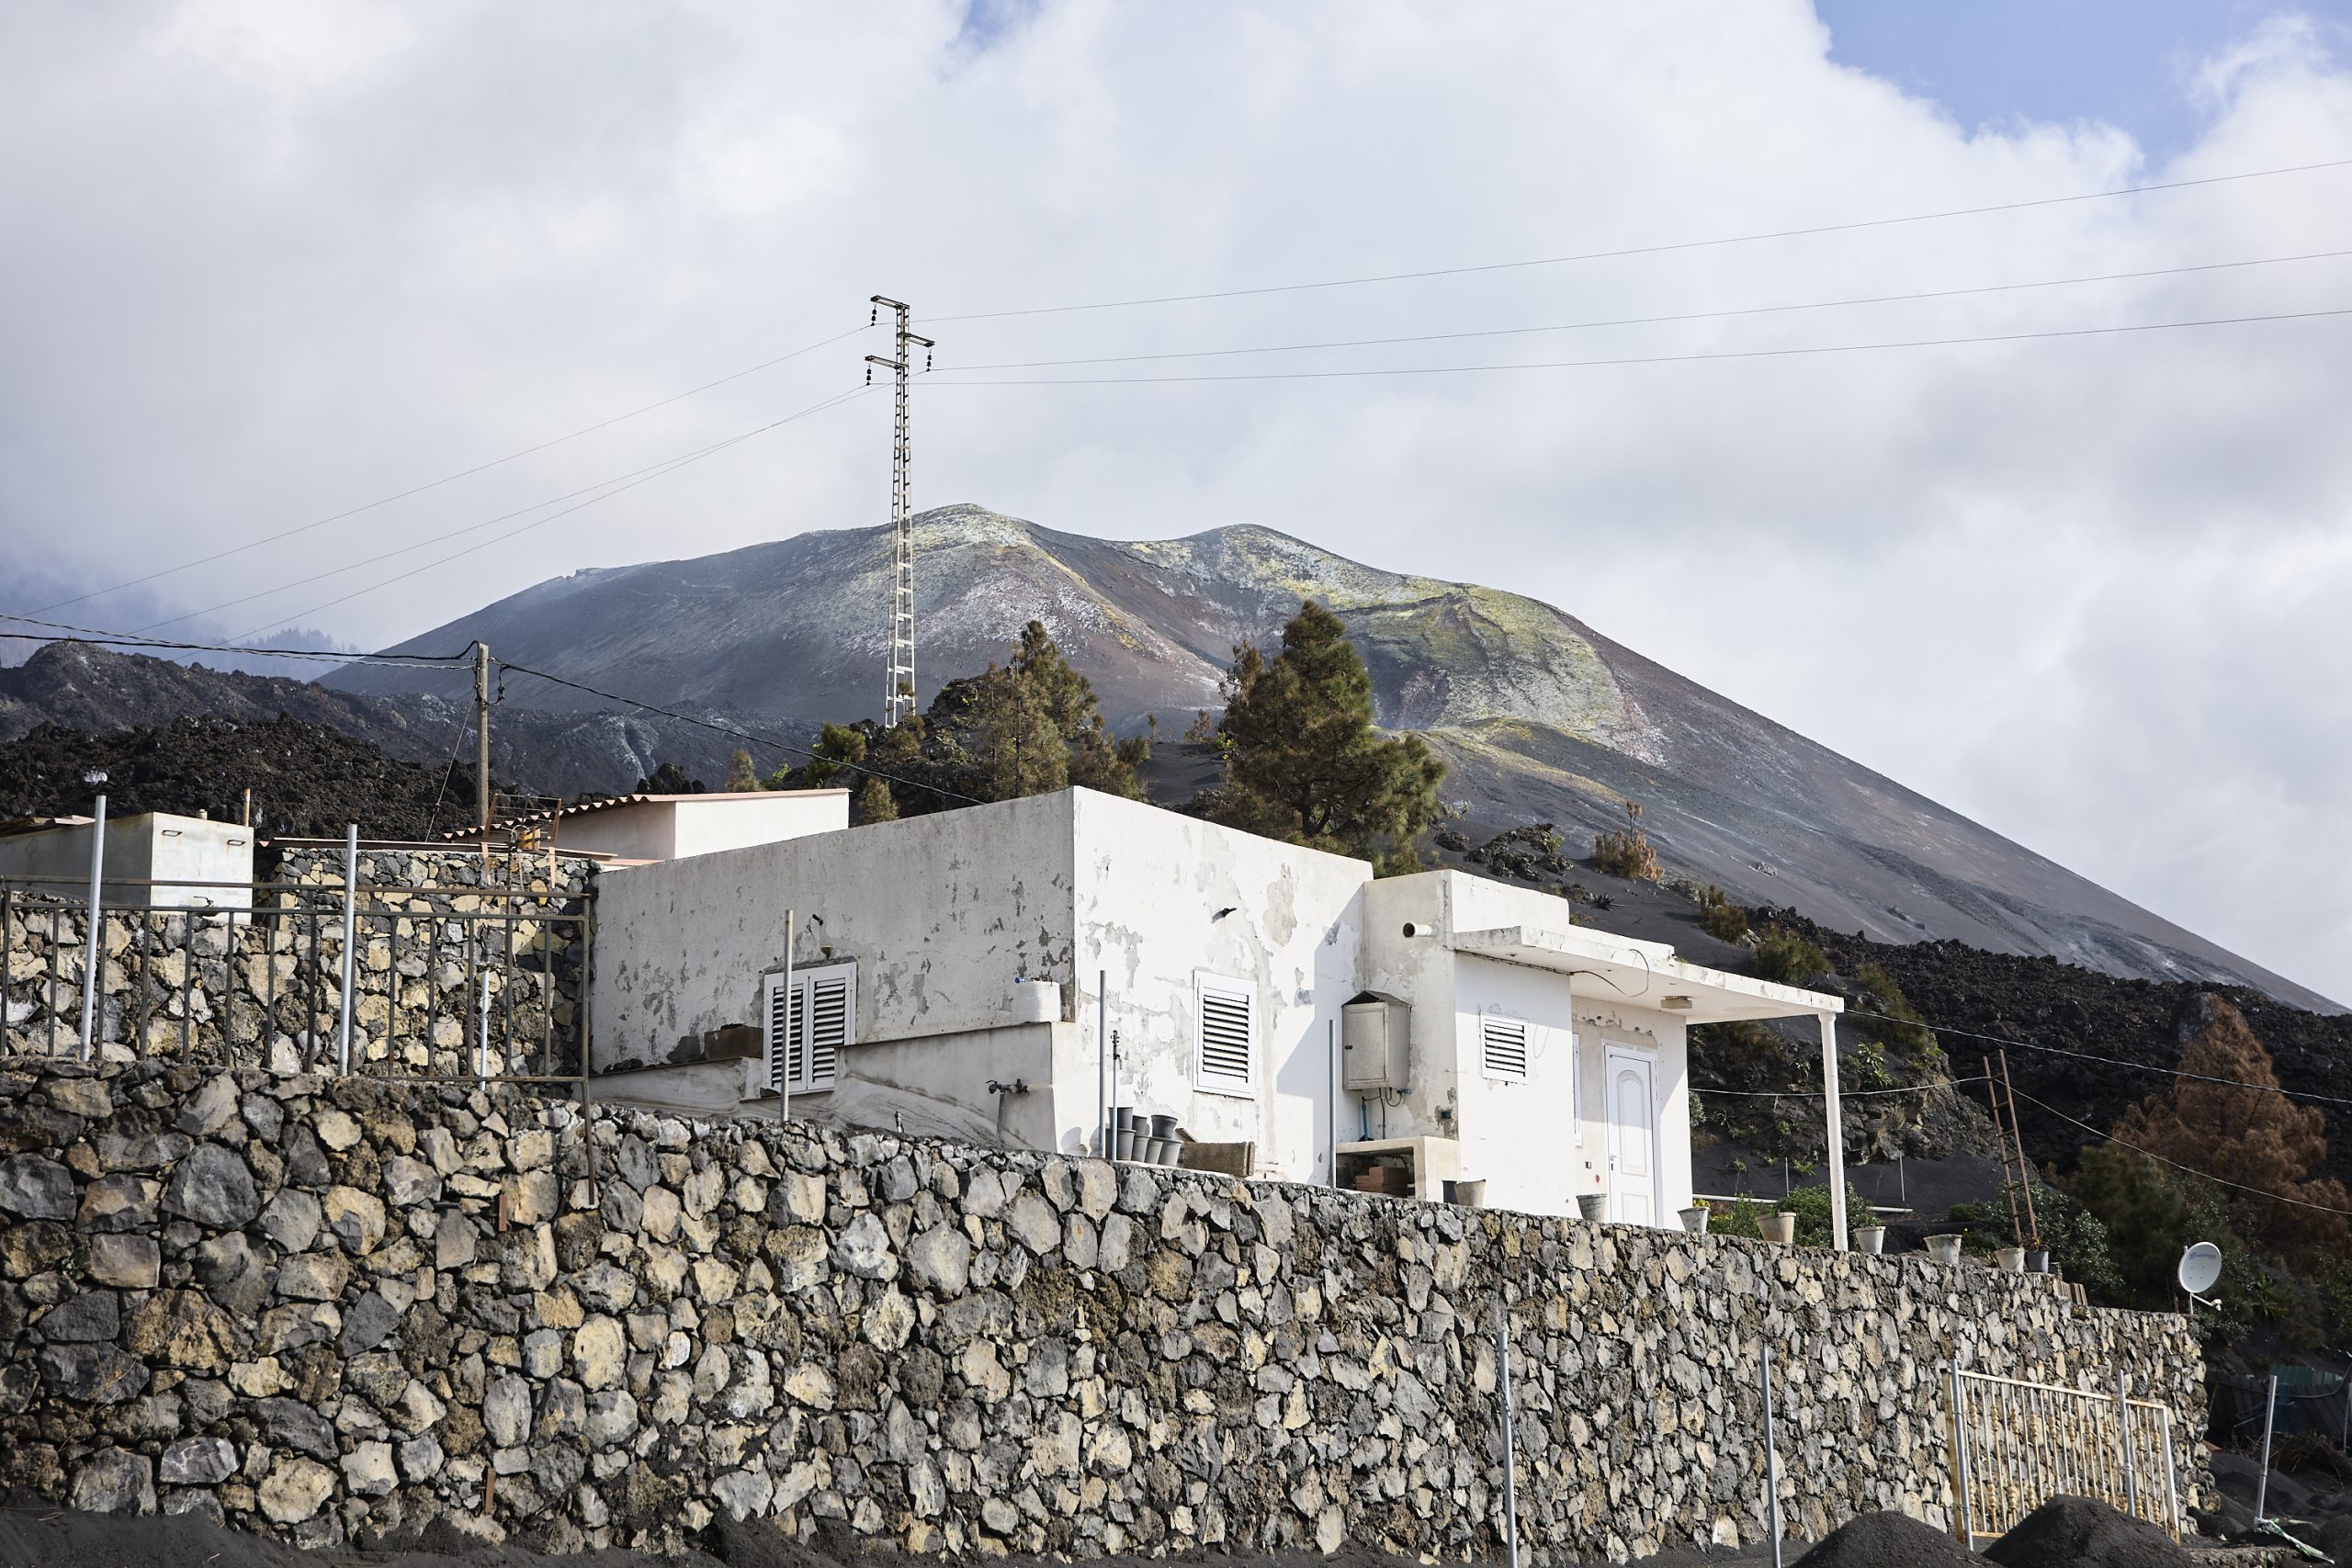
(1374, 1031)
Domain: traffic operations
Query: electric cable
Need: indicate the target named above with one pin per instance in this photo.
(745, 735)
(1843, 1093)
(679, 460)
(660, 471)
(124, 639)
(1784, 352)
(2105, 1061)
(1650, 250)
(452, 478)
(2201, 1175)
(1653, 321)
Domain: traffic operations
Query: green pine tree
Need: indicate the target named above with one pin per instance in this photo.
(1302, 760)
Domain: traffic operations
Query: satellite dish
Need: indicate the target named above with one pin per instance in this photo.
(2201, 1265)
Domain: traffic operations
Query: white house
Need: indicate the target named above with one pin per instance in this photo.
(153, 860)
(672, 827)
(1009, 971)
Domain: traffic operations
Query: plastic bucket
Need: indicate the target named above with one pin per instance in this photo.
(1163, 1127)
(1593, 1206)
(2037, 1260)
(2009, 1259)
(1781, 1228)
(1694, 1219)
(1870, 1238)
(1470, 1194)
(1944, 1249)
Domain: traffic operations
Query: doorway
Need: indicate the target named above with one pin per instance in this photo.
(1632, 1137)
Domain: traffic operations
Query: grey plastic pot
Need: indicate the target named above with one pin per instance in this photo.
(1163, 1127)
(1171, 1151)
(1944, 1249)
(1593, 1206)
(2037, 1260)
(1870, 1238)
(1781, 1228)
(2009, 1259)
(1694, 1219)
(1126, 1143)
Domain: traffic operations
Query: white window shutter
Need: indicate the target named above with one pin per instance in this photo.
(1227, 1035)
(828, 1026)
(804, 1037)
(1502, 1048)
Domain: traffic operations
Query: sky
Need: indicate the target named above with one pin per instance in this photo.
(271, 267)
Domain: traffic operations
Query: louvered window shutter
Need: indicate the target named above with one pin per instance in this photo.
(1228, 1034)
(828, 1027)
(1502, 1053)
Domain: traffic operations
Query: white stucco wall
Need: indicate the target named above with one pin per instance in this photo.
(1149, 886)
(706, 824)
(149, 846)
(674, 826)
(942, 914)
(1540, 1143)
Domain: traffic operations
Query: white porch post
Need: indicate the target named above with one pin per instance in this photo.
(1836, 1132)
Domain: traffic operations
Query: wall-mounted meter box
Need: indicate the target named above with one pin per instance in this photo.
(1374, 1029)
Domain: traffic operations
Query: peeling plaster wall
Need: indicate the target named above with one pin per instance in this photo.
(942, 914)
(1149, 888)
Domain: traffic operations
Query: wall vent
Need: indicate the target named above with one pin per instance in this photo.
(1227, 1011)
(1502, 1048)
(804, 1036)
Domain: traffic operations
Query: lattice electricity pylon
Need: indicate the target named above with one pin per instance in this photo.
(899, 666)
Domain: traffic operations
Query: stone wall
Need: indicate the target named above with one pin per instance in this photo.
(316, 1306)
(265, 989)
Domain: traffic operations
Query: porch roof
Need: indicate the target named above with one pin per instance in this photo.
(1645, 974)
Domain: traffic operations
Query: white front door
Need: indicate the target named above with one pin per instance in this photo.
(1633, 1139)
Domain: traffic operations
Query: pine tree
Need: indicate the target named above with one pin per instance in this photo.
(874, 803)
(1302, 760)
(741, 776)
(2245, 1131)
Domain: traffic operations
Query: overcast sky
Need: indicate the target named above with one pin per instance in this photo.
(263, 263)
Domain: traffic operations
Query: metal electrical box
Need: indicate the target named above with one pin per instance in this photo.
(1374, 1031)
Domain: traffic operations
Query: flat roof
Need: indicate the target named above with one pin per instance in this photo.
(1644, 974)
(612, 802)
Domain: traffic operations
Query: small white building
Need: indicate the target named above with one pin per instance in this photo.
(153, 860)
(1008, 971)
(672, 827)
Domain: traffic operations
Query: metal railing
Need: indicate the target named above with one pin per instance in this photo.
(2019, 1444)
(437, 983)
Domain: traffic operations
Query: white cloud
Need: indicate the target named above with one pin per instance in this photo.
(260, 271)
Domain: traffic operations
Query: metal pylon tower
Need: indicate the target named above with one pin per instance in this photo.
(898, 668)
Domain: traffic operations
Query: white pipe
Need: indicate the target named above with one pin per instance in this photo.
(1103, 1058)
(94, 935)
(1510, 1428)
(350, 933)
(1836, 1132)
(2261, 1486)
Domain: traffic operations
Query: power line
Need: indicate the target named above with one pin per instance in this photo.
(2106, 1061)
(125, 639)
(450, 478)
(1653, 320)
(1795, 351)
(2202, 1175)
(677, 460)
(1842, 1094)
(747, 735)
(1648, 250)
(658, 471)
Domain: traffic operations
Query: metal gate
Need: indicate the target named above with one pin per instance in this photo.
(2020, 1444)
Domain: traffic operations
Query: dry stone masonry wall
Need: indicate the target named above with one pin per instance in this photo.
(314, 1307)
(266, 988)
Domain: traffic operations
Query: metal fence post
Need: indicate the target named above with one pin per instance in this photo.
(1771, 1463)
(1510, 1430)
(350, 933)
(2269, 1414)
(1960, 1459)
(93, 932)
(2131, 1475)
